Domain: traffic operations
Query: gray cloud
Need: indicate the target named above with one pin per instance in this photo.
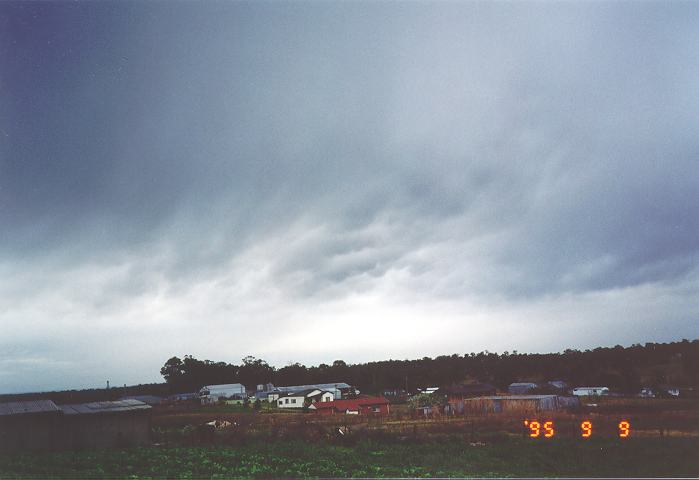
(224, 179)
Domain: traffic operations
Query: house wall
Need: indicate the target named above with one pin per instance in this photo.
(294, 402)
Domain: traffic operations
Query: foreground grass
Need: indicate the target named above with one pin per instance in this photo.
(449, 457)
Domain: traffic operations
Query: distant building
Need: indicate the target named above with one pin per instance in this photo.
(559, 385)
(211, 394)
(394, 392)
(355, 406)
(428, 390)
(151, 400)
(669, 390)
(339, 389)
(121, 423)
(521, 388)
(29, 426)
(184, 397)
(590, 391)
(302, 398)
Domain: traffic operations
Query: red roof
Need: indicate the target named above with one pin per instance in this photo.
(352, 404)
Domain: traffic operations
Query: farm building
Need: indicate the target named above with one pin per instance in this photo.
(339, 389)
(355, 406)
(590, 391)
(29, 426)
(151, 400)
(106, 424)
(304, 397)
(521, 388)
(183, 397)
(212, 393)
(514, 404)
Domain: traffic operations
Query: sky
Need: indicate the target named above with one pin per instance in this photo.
(312, 181)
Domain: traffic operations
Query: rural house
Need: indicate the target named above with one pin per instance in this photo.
(339, 389)
(29, 426)
(302, 398)
(355, 406)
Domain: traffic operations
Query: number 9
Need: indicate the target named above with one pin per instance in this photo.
(535, 428)
(587, 428)
(624, 429)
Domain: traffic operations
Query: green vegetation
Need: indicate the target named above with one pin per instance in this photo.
(450, 456)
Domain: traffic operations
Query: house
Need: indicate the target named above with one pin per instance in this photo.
(355, 406)
(521, 388)
(519, 404)
(339, 389)
(29, 426)
(211, 394)
(590, 391)
(120, 423)
(303, 398)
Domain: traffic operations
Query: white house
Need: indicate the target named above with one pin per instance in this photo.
(304, 397)
(338, 389)
(590, 391)
(212, 393)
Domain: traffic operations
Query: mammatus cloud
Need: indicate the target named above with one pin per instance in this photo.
(234, 179)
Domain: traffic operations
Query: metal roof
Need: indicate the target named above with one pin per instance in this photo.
(104, 407)
(319, 386)
(26, 407)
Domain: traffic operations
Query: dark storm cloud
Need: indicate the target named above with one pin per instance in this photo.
(216, 163)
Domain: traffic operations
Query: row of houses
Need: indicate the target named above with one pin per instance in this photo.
(41, 425)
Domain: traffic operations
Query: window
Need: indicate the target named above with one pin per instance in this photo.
(286, 400)
(280, 402)
(293, 400)
(376, 409)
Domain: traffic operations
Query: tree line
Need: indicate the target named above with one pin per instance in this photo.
(624, 369)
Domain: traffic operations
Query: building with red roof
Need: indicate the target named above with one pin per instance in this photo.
(354, 406)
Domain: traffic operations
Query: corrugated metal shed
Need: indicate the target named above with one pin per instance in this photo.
(104, 407)
(25, 407)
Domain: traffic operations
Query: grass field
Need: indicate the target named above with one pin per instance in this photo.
(446, 457)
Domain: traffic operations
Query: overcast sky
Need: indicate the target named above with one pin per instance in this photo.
(360, 181)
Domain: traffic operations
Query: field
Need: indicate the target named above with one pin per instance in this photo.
(663, 442)
(450, 456)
